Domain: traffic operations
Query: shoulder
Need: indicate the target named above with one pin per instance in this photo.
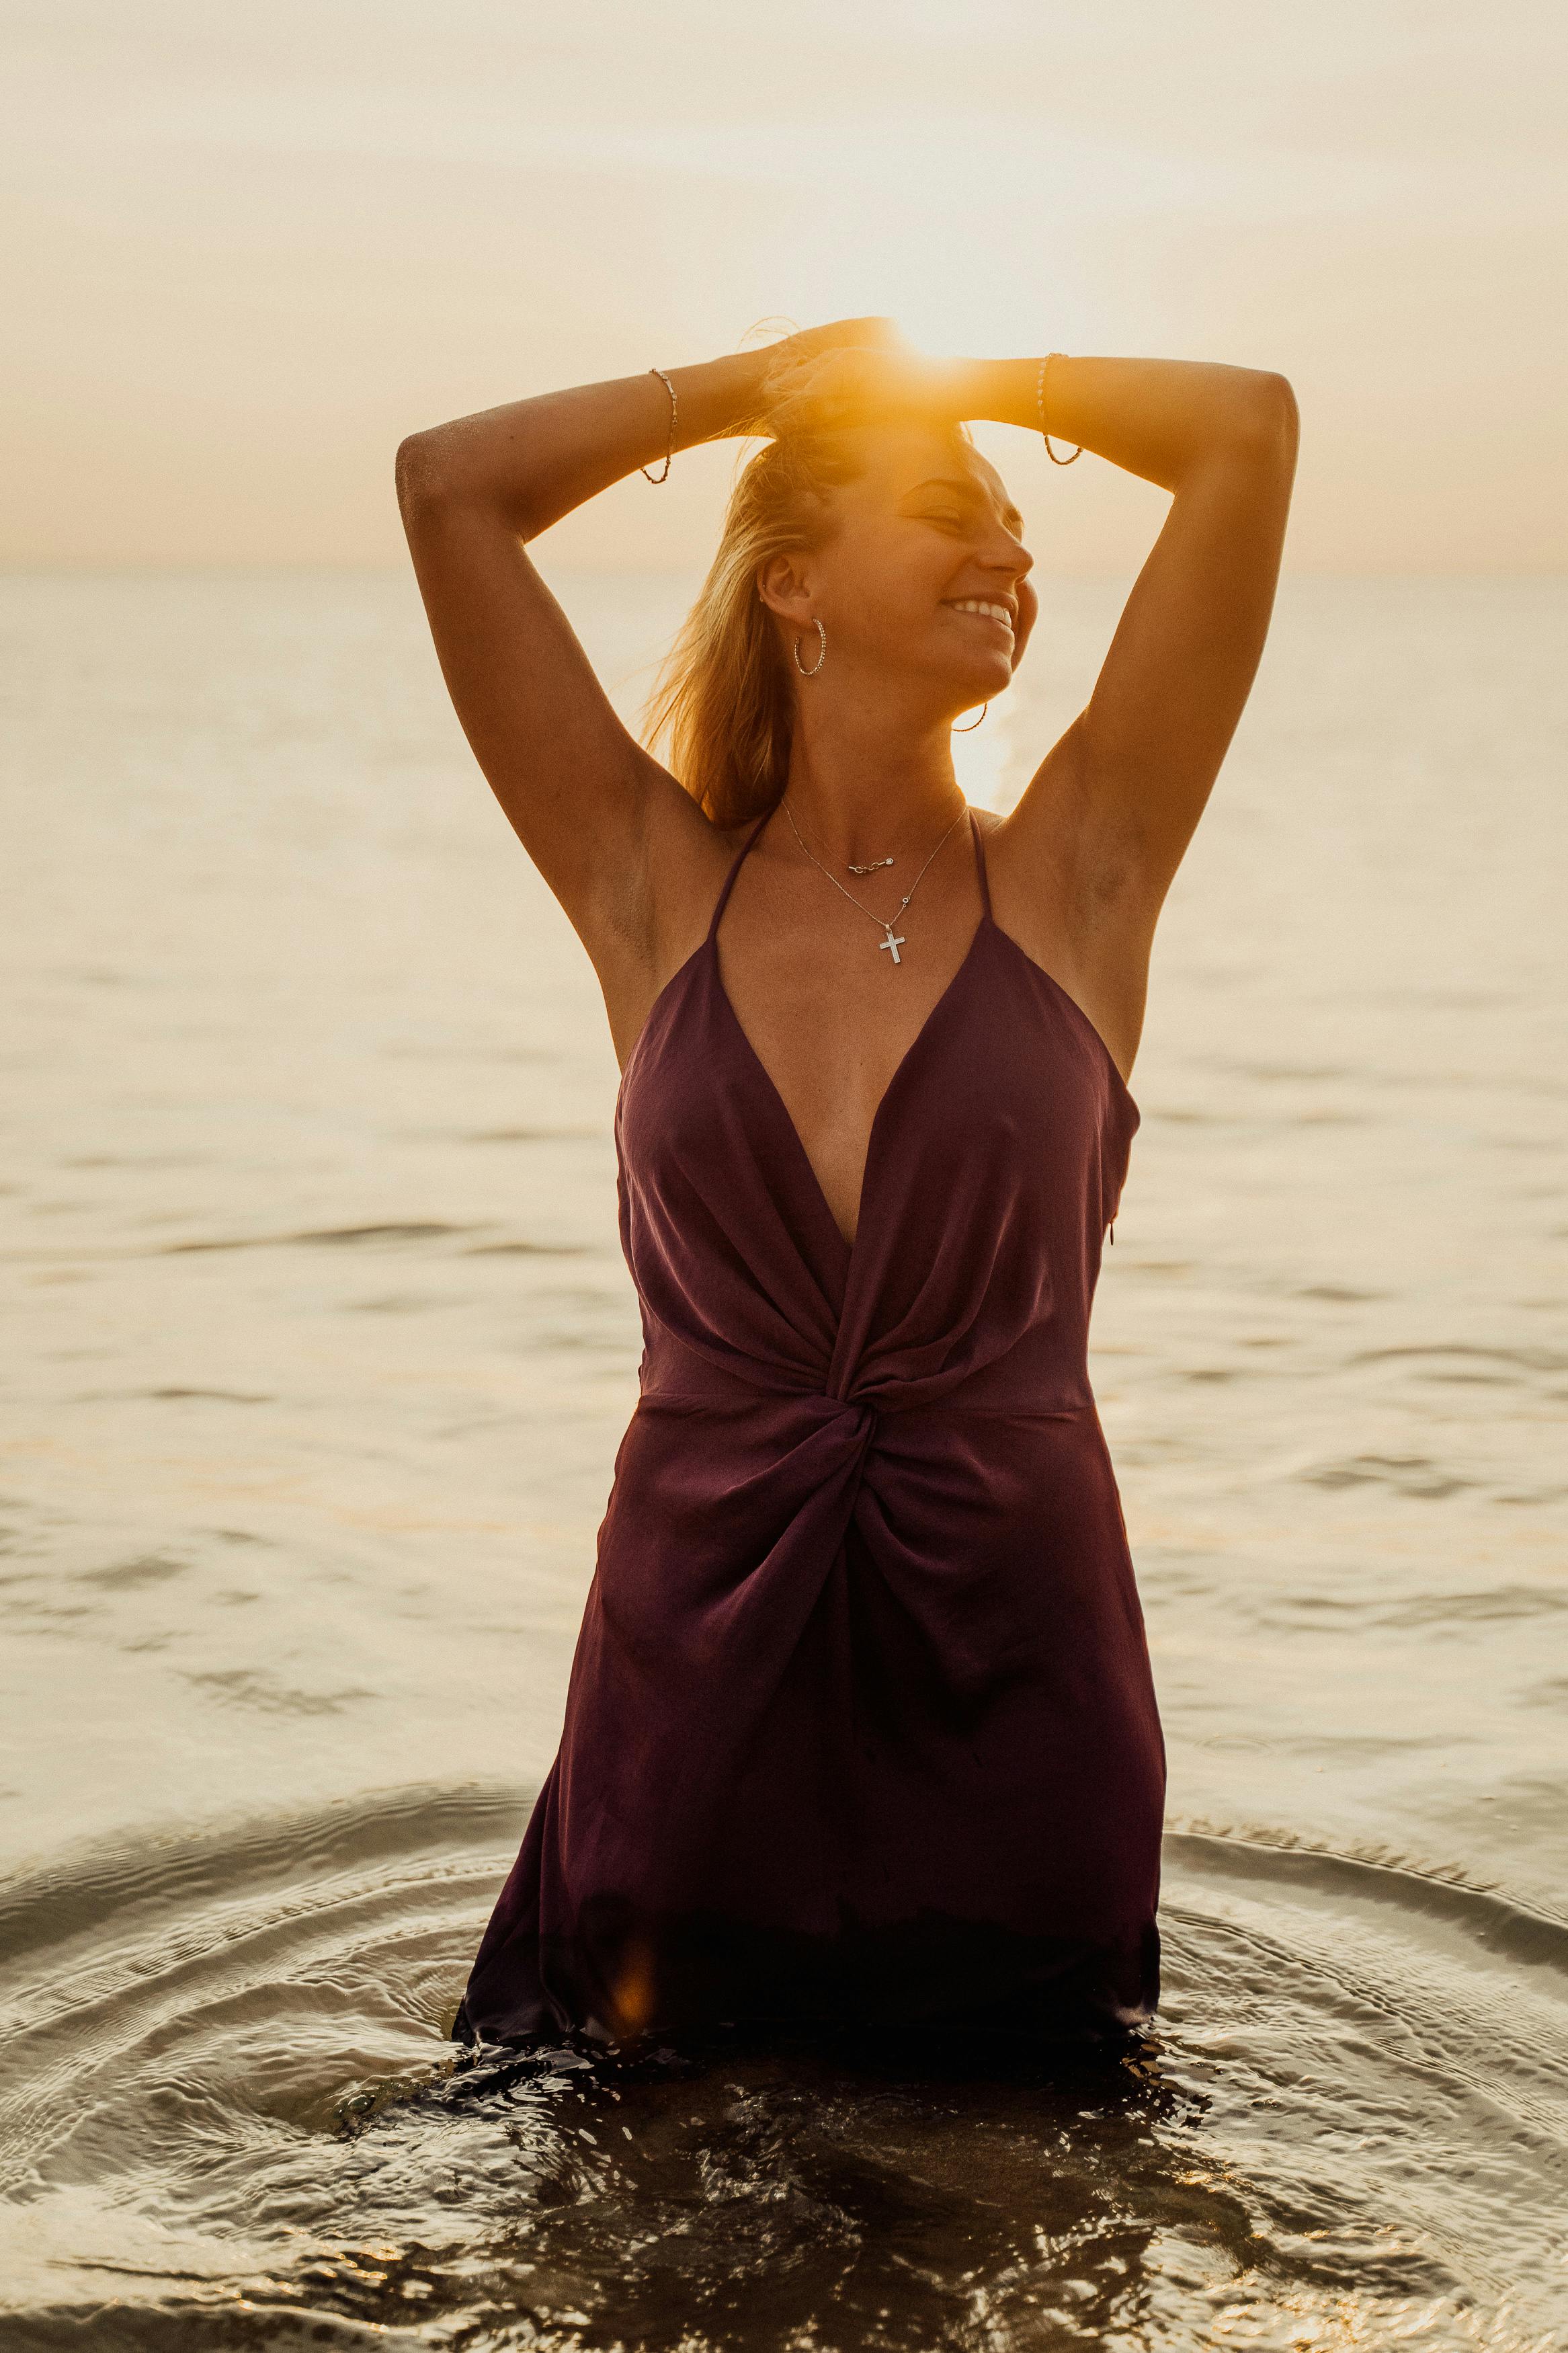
(1065, 896)
(1068, 848)
(686, 860)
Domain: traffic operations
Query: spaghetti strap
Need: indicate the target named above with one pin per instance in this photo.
(980, 863)
(735, 869)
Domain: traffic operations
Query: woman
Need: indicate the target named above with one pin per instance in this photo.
(861, 1724)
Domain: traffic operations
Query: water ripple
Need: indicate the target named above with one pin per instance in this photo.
(229, 2118)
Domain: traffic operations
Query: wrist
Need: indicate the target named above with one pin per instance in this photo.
(962, 388)
(718, 398)
(1002, 391)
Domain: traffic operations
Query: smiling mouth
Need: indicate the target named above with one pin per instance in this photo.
(983, 607)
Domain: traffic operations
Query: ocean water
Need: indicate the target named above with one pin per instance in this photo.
(318, 1347)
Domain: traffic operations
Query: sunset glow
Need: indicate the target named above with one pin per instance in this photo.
(246, 255)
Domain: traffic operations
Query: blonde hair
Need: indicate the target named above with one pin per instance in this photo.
(723, 702)
(722, 697)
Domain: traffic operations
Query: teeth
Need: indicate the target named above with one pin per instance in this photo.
(978, 605)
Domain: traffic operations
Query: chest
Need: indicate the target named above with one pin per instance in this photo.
(831, 1026)
(1003, 1114)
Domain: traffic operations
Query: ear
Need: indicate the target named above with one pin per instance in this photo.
(785, 586)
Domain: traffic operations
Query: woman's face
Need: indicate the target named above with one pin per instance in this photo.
(924, 573)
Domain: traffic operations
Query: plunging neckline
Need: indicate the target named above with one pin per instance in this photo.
(709, 949)
(848, 1246)
(787, 1116)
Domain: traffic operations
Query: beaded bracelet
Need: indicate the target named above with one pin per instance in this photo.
(670, 452)
(1040, 405)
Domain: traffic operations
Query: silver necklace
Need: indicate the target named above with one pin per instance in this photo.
(875, 867)
(852, 869)
(895, 940)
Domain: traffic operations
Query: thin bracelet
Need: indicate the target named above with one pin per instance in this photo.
(1040, 405)
(670, 452)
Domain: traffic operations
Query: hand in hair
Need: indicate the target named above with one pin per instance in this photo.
(774, 364)
(855, 384)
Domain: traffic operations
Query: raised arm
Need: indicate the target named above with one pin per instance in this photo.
(619, 842)
(1091, 847)
(1103, 825)
(584, 798)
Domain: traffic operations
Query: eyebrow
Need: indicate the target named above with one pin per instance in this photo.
(967, 489)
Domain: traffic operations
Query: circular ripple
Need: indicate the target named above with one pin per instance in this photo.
(229, 2116)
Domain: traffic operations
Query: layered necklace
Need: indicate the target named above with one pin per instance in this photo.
(893, 941)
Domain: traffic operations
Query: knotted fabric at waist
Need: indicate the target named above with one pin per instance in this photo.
(1029, 1380)
(961, 1516)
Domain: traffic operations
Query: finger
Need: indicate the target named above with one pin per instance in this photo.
(877, 333)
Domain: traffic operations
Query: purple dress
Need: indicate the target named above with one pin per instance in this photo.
(860, 1727)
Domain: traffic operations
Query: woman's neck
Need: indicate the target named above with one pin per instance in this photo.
(860, 788)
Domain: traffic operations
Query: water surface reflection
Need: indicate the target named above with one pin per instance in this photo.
(230, 2116)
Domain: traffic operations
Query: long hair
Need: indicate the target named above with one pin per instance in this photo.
(723, 702)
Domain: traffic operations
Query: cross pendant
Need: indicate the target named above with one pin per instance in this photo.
(895, 940)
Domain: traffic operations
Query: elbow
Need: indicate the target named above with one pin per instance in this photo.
(1271, 423)
(418, 474)
(437, 479)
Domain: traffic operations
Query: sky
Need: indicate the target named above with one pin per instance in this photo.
(244, 251)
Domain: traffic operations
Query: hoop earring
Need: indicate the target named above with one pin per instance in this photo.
(821, 657)
(972, 725)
